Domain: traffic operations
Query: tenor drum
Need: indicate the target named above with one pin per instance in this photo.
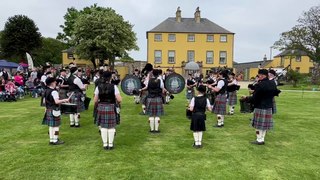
(68, 108)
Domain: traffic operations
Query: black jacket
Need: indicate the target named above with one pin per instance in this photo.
(263, 94)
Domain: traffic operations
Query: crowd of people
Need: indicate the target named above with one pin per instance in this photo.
(67, 87)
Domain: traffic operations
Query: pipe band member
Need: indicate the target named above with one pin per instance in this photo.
(154, 102)
(219, 107)
(198, 106)
(232, 92)
(52, 115)
(264, 92)
(76, 88)
(106, 95)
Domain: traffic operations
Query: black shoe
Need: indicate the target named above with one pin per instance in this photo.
(222, 125)
(57, 143)
(142, 113)
(99, 132)
(217, 126)
(77, 126)
(194, 144)
(158, 131)
(110, 148)
(71, 125)
(199, 146)
(257, 143)
(151, 131)
(106, 148)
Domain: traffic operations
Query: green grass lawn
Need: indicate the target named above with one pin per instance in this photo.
(292, 149)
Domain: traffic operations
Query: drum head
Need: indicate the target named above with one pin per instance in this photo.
(174, 83)
(130, 84)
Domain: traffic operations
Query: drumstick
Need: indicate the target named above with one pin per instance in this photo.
(70, 96)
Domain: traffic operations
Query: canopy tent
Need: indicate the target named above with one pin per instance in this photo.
(9, 65)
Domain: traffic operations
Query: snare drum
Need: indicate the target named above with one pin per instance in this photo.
(68, 108)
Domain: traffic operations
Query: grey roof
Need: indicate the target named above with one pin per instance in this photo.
(253, 64)
(289, 53)
(69, 50)
(189, 25)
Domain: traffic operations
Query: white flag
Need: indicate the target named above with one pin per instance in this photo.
(30, 61)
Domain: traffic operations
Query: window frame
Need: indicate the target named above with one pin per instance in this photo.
(298, 58)
(212, 61)
(155, 37)
(191, 35)
(208, 35)
(155, 57)
(223, 35)
(174, 57)
(174, 38)
(70, 55)
(188, 57)
(226, 55)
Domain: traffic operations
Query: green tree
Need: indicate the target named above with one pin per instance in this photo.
(49, 52)
(20, 35)
(305, 36)
(98, 33)
(294, 77)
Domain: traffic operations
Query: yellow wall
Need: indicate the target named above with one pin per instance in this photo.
(79, 62)
(304, 65)
(181, 46)
(122, 71)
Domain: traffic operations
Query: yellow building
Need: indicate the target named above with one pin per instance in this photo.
(296, 60)
(177, 41)
(68, 56)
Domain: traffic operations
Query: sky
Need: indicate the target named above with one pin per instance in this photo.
(257, 24)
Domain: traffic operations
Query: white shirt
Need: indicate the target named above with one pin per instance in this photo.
(220, 84)
(192, 102)
(116, 91)
(55, 94)
(43, 79)
(77, 81)
(33, 75)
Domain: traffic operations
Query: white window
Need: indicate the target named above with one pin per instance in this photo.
(171, 57)
(298, 58)
(223, 57)
(209, 57)
(209, 38)
(190, 56)
(172, 38)
(223, 38)
(191, 38)
(157, 56)
(70, 56)
(158, 37)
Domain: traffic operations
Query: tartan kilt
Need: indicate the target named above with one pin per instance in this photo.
(94, 114)
(232, 100)
(274, 106)
(189, 94)
(106, 115)
(50, 120)
(143, 97)
(262, 119)
(76, 98)
(154, 107)
(220, 104)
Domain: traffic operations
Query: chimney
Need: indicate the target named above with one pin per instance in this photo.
(178, 15)
(197, 16)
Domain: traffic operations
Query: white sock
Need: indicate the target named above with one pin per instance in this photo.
(111, 136)
(143, 108)
(222, 119)
(231, 109)
(51, 134)
(56, 134)
(151, 122)
(104, 136)
(71, 119)
(258, 132)
(195, 137)
(156, 123)
(76, 118)
(219, 117)
(200, 133)
(263, 134)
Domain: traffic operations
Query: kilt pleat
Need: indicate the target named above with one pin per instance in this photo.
(76, 98)
(50, 120)
(198, 122)
(262, 119)
(105, 115)
(143, 97)
(220, 104)
(154, 106)
(232, 100)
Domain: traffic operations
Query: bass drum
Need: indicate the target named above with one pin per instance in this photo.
(130, 85)
(174, 83)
